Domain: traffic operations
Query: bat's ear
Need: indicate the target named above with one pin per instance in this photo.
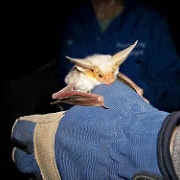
(81, 63)
(74, 60)
(121, 56)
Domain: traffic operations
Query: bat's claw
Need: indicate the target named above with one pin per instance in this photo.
(105, 107)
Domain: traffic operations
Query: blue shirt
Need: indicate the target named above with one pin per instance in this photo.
(154, 64)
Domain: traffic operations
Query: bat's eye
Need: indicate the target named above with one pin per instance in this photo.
(100, 75)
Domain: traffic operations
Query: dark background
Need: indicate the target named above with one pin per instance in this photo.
(31, 32)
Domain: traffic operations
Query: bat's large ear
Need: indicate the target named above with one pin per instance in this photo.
(83, 63)
(121, 56)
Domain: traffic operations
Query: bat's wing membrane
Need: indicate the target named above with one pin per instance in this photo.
(69, 96)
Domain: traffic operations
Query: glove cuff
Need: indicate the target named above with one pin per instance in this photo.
(164, 138)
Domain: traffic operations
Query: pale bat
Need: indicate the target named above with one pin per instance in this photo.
(90, 72)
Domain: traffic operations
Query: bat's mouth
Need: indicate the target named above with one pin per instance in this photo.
(108, 83)
(108, 79)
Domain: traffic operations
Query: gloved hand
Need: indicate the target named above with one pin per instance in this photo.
(98, 143)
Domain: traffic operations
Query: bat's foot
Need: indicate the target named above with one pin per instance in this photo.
(139, 91)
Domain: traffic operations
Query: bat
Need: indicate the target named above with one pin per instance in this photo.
(89, 72)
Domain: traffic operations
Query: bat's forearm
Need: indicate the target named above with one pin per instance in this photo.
(122, 77)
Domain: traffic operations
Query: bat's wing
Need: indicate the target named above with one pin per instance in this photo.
(69, 96)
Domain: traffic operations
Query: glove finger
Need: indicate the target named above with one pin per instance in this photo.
(22, 135)
(24, 162)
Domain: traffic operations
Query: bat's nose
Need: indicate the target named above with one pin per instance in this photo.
(108, 78)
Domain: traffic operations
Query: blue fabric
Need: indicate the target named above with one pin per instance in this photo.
(154, 63)
(98, 143)
(24, 159)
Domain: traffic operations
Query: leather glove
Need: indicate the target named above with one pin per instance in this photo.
(97, 143)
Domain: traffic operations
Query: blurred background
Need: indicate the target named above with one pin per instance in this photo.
(31, 32)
